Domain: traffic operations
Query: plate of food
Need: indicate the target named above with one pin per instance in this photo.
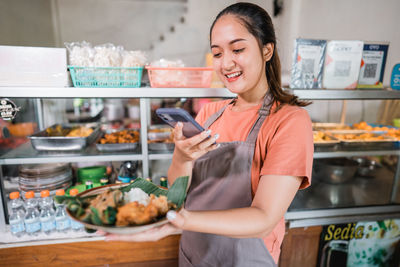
(125, 208)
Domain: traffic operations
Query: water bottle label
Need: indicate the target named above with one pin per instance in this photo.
(48, 225)
(76, 225)
(32, 227)
(17, 227)
(62, 224)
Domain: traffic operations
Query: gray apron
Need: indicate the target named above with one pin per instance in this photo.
(221, 179)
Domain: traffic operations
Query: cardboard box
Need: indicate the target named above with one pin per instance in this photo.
(33, 66)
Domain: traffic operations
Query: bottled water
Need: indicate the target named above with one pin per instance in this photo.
(76, 226)
(17, 203)
(47, 213)
(17, 214)
(63, 222)
(31, 219)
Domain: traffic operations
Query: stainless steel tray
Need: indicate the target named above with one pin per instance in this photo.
(42, 142)
(161, 147)
(325, 126)
(164, 134)
(116, 147)
(333, 143)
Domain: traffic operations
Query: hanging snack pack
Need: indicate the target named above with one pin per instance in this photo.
(308, 62)
(373, 65)
(342, 64)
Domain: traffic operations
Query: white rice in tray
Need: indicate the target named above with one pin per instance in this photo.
(137, 194)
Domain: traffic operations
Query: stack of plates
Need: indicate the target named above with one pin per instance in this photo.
(38, 177)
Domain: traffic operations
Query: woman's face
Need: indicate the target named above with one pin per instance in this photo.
(237, 58)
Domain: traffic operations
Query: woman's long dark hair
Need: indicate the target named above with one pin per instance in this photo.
(259, 24)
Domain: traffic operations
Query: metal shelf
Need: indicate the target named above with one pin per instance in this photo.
(354, 153)
(142, 92)
(340, 94)
(345, 215)
(149, 92)
(25, 154)
(160, 156)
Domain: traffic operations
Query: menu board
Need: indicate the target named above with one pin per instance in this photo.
(374, 243)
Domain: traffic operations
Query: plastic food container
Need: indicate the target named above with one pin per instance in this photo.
(93, 173)
(180, 77)
(106, 76)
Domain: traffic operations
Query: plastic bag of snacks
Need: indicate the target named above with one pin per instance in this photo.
(167, 73)
(105, 65)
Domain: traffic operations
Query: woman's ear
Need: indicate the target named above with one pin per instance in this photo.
(268, 51)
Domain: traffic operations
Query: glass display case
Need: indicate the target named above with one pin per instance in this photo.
(323, 203)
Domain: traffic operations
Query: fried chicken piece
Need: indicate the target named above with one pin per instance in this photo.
(134, 213)
(161, 203)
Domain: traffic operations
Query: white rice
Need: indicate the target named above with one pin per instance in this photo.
(137, 194)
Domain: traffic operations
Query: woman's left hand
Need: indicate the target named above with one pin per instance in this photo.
(176, 222)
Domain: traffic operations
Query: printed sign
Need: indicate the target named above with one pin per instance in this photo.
(360, 244)
(8, 109)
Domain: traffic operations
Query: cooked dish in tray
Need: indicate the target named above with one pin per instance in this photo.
(120, 137)
(322, 137)
(361, 137)
(75, 131)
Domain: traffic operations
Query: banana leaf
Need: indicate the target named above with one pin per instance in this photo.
(146, 186)
(95, 217)
(110, 215)
(177, 192)
(66, 199)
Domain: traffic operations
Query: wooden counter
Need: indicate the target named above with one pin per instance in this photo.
(95, 253)
(300, 247)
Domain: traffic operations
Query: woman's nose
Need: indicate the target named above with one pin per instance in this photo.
(227, 62)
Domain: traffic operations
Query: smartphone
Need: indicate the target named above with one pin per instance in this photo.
(173, 115)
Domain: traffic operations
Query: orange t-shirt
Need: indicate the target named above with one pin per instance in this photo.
(284, 146)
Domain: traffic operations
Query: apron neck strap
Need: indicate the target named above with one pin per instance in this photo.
(217, 114)
(263, 112)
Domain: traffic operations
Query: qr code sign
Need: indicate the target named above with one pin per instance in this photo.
(342, 68)
(370, 70)
(307, 65)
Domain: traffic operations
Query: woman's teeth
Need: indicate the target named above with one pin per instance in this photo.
(234, 74)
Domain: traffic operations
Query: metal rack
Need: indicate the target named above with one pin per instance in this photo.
(148, 92)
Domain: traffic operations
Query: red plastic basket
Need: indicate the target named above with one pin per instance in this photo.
(180, 77)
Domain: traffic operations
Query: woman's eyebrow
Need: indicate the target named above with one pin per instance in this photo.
(231, 42)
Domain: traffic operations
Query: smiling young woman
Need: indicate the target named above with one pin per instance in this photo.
(241, 186)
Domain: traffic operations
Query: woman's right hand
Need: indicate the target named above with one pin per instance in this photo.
(190, 149)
